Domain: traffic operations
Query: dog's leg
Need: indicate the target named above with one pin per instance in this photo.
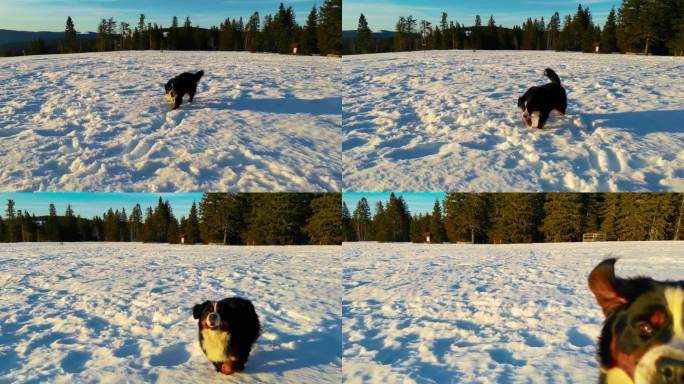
(543, 116)
(227, 367)
(239, 365)
(192, 93)
(217, 366)
(179, 101)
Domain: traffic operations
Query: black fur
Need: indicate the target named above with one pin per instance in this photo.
(640, 297)
(179, 86)
(544, 99)
(240, 320)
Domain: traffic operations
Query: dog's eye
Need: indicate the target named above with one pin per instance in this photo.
(645, 329)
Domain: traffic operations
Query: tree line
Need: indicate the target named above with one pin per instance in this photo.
(277, 33)
(506, 218)
(219, 218)
(638, 26)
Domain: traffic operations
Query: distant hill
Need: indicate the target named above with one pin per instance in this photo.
(9, 36)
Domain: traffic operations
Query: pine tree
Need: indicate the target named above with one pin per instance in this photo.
(324, 226)
(252, 39)
(12, 227)
(565, 217)
(553, 33)
(135, 224)
(191, 229)
(516, 217)
(491, 40)
(278, 218)
(3, 230)
(330, 28)
(69, 226)
(447, 32)
(52, 225)
(476, 35)
(310, 34)
(70, 42)
(609, 35)
(381, 231)
(363, 36)
(436, 224)
(347, 230)
(610, 214)
(173, 39)
(466, 218)
(361, 220)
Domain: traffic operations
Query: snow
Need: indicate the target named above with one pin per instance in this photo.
(108, 312)
(448, 120)
(481, 313)
(99, 121)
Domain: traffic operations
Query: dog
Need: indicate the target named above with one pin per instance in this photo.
(179, 86)
(228, 330)
(538, 102)
(642, 340)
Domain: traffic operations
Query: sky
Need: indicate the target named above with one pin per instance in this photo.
(51, 15)
(383, 14)
(418, 202)
(87, 204)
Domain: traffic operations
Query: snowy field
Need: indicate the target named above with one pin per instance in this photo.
(99, 121)
(448, 120)
(481, 314)
(123, 312)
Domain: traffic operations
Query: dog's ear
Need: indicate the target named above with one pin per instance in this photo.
(603, 284)
(520, 102)
(198, 308)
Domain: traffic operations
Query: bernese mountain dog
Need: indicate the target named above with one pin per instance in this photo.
(538, 102)
(642, 340)
(227, 331)
(179, 86)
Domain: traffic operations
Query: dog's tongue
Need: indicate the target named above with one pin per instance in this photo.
(528, 122)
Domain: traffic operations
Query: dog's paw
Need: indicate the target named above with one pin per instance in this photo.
(227, 367)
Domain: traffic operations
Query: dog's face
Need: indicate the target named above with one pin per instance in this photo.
(170, 92)
(209, 315)
(531, 118)
(642, 340)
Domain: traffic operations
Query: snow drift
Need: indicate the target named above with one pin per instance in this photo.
(94, 312)
(481, 313)
(447, 120)
(99, 121)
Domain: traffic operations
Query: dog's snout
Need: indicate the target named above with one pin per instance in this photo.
(670, 370)
(213, 317)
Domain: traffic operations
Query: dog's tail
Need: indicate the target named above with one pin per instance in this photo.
(199, 75)
(548, 72)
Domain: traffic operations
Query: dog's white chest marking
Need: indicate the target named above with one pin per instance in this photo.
(675, 300)
(214, 343)
(617, 376)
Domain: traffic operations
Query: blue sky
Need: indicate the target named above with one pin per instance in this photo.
(51, 15)
(385, 13)
(418, 202)
(88, 204)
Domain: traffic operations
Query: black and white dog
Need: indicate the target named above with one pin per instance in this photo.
(179, 86)
(642, 341)
(227, 331)
(538, 102)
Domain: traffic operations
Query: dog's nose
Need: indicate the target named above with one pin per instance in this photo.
(670, 370)
(212, 318)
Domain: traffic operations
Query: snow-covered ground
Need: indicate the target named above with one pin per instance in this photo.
(448, 120)
(481, 313)
(99, 121)
(116, 313)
